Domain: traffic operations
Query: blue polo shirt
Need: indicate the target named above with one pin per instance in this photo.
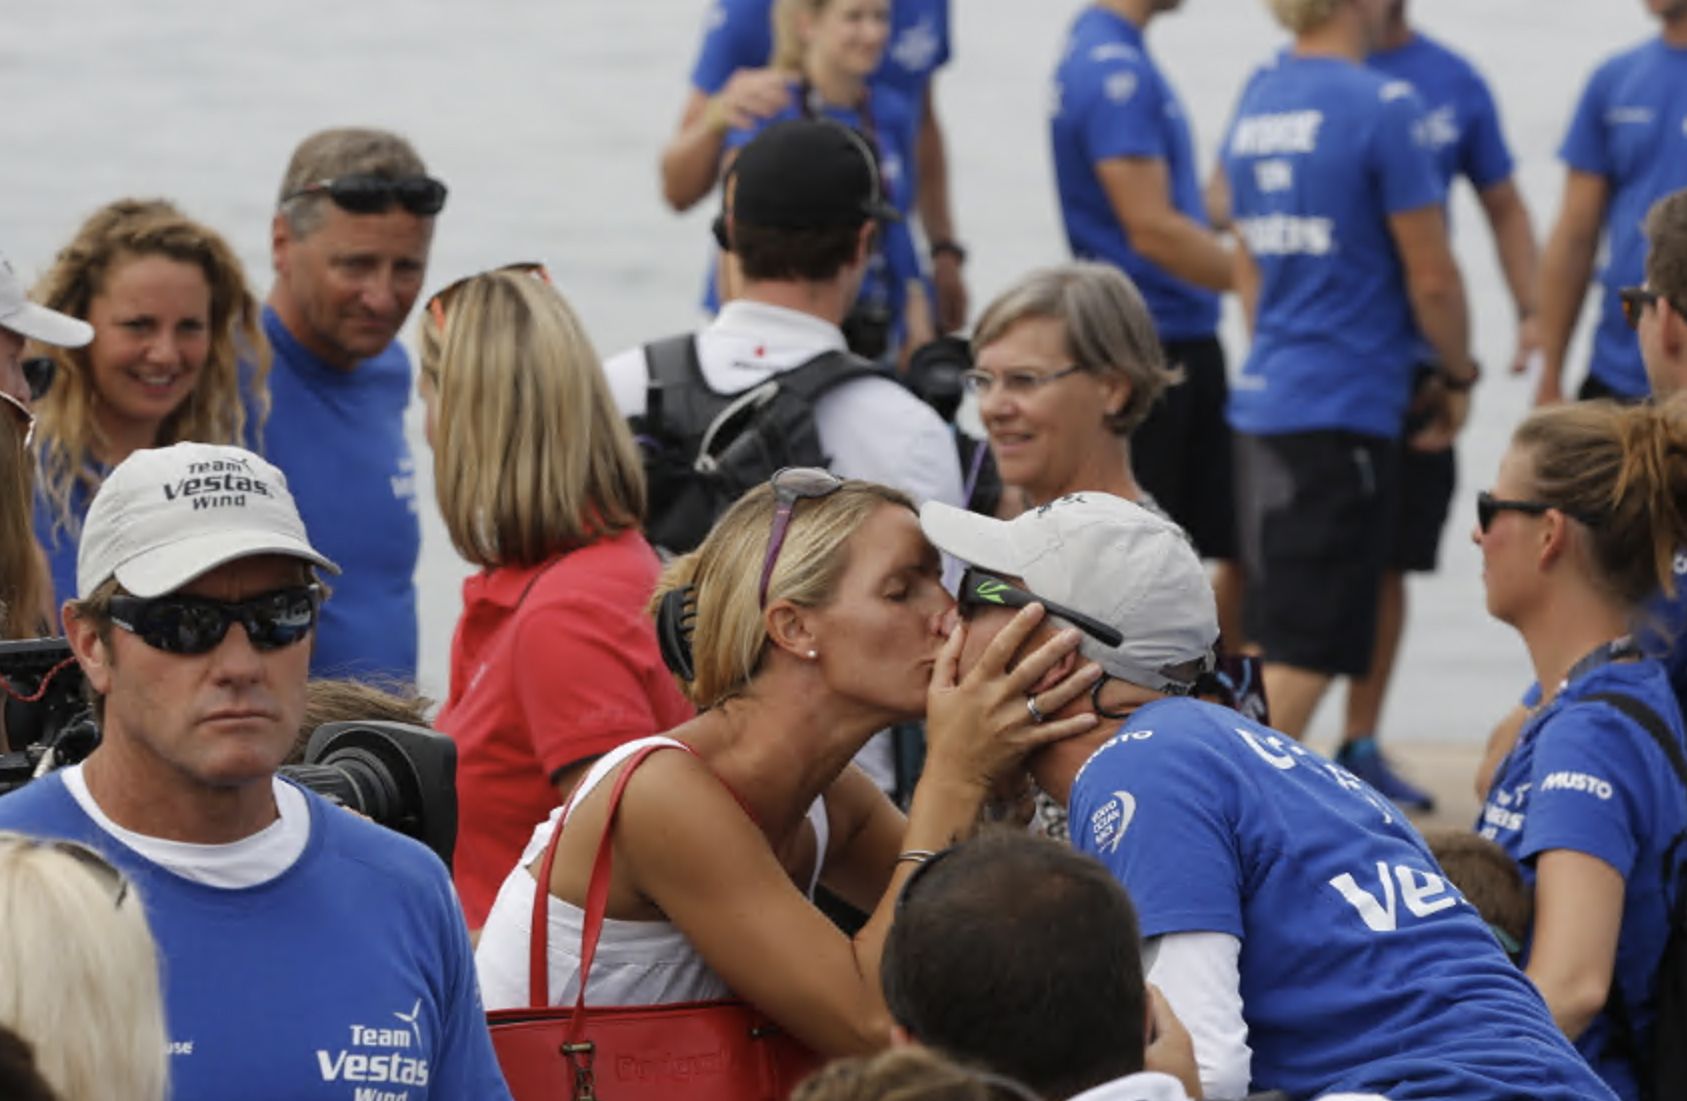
(1321, 153)
(1631, 128)
(1112, 102)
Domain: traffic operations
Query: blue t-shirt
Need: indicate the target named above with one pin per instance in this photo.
(62, 540)
(338, 436)
(1111, 102)
(347, 976)
(1629, 128)
(1586, 778)
(888, 121)
(1362, 967)
(739, 35)
(1321, 153)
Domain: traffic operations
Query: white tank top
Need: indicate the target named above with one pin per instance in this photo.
(637, 962)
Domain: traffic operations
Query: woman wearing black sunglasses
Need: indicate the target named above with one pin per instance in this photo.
(1579, 533)
(812, 616)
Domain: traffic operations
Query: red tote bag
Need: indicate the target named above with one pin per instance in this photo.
(701, 1051)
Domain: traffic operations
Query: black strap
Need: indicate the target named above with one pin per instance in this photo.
(674, 371)
(1650, 722)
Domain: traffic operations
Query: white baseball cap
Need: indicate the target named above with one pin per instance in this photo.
(166, 515)
(25, 318)
(1110, 559)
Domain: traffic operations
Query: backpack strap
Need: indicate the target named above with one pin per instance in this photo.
(1649, 721)
(673, 371)
(814, 378)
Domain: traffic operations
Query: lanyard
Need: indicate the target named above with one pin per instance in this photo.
(1618, 649)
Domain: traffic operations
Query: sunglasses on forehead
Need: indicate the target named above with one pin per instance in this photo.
(790, 485)
(361, 193)
(113, 881)
(183, 624)
(980, 590)
(21, 414)
(440, 303)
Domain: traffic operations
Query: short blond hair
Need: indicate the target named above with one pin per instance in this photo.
(725, 573)
(89, 1004)
(1300, 16)
(1108, 328)
(531, 456)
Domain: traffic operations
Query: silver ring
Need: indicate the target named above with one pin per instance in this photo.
(1037, 715)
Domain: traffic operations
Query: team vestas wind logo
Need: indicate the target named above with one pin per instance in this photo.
(217, 483)
(916, 48)
(378, 1058)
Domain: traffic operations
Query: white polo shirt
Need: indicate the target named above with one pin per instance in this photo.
(872, 428)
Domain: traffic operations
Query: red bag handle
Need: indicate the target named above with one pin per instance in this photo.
(597, 896)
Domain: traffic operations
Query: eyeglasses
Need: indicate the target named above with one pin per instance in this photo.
(979, 588)
(1018, 381)
(197, 624)
(1488, 507)
(790, 485)
(361, 193)
(441, 301)
(1635, 301)
(38, 375)
(20, 412)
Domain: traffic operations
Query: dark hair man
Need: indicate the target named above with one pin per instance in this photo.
(354, 220)
(1656, 310)
(306, 952)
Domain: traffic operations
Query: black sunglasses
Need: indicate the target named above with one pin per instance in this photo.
(38, 375)
(979, 589)
(1635, 301)
(422, 196)
(197, 624)
(1488, 506)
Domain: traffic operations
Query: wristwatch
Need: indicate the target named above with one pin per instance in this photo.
(949, 247)
(1461, 385)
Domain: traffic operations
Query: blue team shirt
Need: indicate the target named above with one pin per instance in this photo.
(1111, 102)
(1629, 128)
(739, 35)
(888, 120)
(61, 538)
(338, 436)
(347, 976)
(1586, 778)
(1362, 967)
(1321, 153)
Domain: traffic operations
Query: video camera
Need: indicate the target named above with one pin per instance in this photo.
(400, 776)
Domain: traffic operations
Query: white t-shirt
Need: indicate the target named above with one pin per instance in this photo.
(872, 428)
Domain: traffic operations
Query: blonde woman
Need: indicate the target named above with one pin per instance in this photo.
(25, 600)
(820, 617)
(81, 972)
(554, 661)
(173, 319)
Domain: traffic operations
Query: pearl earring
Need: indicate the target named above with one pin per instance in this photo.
(812, 654)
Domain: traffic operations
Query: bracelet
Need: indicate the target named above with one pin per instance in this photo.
(914, 856)
(948, 247)
(1462, 385)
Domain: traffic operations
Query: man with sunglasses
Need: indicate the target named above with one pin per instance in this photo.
(1297, 924)
(353, 224)
(305, 952)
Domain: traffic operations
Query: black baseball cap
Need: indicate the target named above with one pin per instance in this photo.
(807, 174)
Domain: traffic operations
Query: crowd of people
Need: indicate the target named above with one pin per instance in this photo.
(974, 767)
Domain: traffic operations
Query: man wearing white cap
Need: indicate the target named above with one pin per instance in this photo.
(20, 320)
(306, 952)
(1296, 922)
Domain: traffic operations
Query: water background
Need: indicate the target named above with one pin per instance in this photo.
(546, 119)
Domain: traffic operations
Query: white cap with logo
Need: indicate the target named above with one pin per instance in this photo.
(166, 515)
(25, 318)
(1113, 561)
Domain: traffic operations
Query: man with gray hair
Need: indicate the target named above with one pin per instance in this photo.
(353, 223)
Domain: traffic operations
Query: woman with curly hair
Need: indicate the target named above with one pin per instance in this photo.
(173, 320)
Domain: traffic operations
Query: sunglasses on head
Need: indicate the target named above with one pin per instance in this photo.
(20, 413)
(111, 879)
(1635, 301)
(980, 589)
(441, 301)
(361, 193)
(183, 624)
(1488, 507)
(790, 485)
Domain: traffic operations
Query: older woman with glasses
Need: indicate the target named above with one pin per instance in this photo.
(1580, 531)
(811, 616)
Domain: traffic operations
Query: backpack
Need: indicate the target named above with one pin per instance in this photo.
(1661, 1066)
(703, 449)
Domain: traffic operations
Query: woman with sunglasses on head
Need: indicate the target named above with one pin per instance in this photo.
(554, 661)
(172, 320)
(832, 48)
(1579, 532)
(26, 600)
(811, 616)
(81, 972)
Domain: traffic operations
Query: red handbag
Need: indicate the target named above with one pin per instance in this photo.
(702, 1051)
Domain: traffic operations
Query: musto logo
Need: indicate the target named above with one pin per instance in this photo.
(377, 1058)
(673, 1066)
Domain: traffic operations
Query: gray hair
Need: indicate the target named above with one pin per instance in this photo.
(346, 151)
(1108, 329)
(1299, 16)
